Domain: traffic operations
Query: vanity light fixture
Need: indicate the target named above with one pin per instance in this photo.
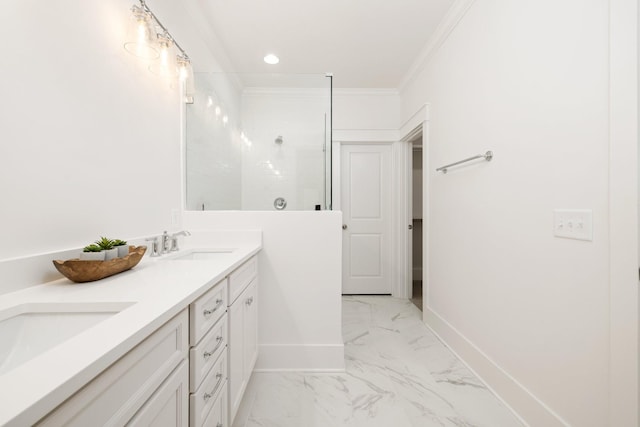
(166, 65)
(271, 59)
(185, 74)
(141, 37)
(145, 42)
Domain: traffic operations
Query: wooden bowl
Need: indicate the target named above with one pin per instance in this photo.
(81, 271)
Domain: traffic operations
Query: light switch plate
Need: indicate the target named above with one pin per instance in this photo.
(573, 224)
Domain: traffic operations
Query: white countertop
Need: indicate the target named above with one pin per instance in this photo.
(158, 288)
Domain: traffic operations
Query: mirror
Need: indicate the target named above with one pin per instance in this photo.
(259, 142)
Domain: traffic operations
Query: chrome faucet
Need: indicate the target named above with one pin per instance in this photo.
(165, 245)
(155, 246)
(174, 239)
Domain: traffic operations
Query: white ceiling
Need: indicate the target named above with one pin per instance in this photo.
(364, 43)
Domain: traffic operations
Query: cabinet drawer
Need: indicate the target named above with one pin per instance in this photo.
(218, 415)
(239, 279)
(115, 395)
(168, 405)
(206, 310)
(202, 401)
(203, 356)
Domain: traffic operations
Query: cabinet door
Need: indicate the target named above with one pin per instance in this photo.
(236, 352)
(250, 355)
(168, 407)
(118, 393)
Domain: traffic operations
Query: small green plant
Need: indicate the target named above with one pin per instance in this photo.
(104, 243)
(118, 242)
(92, 248)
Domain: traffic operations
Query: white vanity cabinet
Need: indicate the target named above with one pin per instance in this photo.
(243, 330)
(208, 358)
(191, 371)
(147, 386)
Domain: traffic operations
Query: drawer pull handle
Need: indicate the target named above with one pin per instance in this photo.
(249, 301)
(208, 396)
(209, 312)
(208, 354)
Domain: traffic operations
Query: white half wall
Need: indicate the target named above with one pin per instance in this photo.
(529, 312)
(300, 273)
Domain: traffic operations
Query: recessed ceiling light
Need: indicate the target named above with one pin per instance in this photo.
(271, 59)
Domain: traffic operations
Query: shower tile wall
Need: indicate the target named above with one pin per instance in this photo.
(293, 169)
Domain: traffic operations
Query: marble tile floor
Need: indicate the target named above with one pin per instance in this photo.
(398, 374)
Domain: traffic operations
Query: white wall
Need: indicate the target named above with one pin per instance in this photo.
(300, 269)
(529, 312)
(90, 139)
(366, 115)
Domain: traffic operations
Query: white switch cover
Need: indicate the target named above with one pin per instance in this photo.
(573, 224)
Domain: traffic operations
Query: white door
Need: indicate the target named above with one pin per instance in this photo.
(365, 175)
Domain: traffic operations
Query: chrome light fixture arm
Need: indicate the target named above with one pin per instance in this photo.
(144, 6)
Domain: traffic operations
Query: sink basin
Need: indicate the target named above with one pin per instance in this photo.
(28, 330)
(202, 254)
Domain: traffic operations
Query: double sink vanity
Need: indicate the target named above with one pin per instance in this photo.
(171, 342)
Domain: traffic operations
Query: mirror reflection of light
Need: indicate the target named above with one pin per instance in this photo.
(271, 59)
(245, 139)
(209, 102)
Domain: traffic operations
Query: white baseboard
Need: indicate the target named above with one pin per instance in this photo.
(524, 404)
(305, 358)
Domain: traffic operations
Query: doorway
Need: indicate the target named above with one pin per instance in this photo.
(416, 222)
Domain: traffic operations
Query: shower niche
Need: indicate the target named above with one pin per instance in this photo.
(259, 142)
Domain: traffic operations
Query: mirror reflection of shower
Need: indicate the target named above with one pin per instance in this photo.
(236, 154)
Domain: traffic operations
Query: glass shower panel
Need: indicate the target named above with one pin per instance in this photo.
(272, 152)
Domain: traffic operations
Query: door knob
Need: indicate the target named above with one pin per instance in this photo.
(344, 226)
(410, 227)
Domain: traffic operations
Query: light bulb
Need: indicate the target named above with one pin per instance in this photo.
(165, 66)
(141, 37)
(185, 74)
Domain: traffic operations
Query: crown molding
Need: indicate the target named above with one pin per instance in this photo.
(365, 92)
(453, 16)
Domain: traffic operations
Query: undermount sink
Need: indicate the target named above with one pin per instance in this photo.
(201, 254)
(28, 330)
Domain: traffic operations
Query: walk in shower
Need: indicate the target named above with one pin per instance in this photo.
(259, 142)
